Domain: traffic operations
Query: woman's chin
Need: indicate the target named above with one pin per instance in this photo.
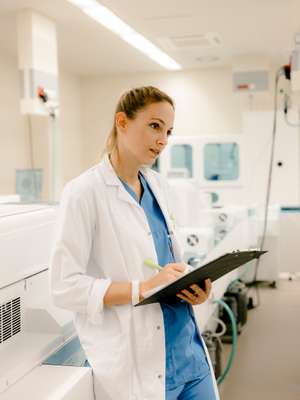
(148, 163)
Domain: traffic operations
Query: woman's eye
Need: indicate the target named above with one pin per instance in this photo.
(154, 125)
(169, 133)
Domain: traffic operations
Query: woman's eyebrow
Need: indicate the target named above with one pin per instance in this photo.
(158, 119)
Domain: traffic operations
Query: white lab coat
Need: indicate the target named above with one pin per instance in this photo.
(103, 236)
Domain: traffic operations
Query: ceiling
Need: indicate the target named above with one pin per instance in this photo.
(242, 28)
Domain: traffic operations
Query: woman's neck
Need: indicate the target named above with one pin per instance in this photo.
(125, 168)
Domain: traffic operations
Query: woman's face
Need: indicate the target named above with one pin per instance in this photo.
(144, 137)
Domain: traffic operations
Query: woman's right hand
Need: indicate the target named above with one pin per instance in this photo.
(168, 274)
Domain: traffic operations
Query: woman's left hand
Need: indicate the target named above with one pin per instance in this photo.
(197, 295)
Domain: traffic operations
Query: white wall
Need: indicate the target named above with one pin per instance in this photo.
(257, 132)
(14, 127)
(205, 104)
(13, 138)
(70, 125)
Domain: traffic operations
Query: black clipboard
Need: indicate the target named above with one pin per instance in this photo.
(212, 270)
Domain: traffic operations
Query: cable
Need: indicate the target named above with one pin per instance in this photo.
(234, 340)
(279, 73)
(270, 167)
(34, 175)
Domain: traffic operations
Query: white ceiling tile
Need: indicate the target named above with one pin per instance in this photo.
(245, 27)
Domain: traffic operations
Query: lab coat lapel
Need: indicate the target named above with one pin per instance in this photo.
(159, 197)
(111, 179)
(125, 196)
(162, 201)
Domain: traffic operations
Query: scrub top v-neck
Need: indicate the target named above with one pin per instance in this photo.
(185, 357)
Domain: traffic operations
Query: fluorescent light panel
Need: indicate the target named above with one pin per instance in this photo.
(112, 22)
(83, 3)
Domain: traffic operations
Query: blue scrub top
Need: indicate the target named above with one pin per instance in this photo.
(185, 356)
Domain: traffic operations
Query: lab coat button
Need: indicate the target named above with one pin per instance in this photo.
(159, 376)
(158, 327)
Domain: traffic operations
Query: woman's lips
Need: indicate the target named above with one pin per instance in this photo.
(155, 152)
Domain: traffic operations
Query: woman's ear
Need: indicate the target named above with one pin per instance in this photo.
(121, 121)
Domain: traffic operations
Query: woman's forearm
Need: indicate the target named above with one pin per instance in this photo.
(119, 293)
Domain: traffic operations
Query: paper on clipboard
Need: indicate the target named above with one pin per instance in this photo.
(150, 292)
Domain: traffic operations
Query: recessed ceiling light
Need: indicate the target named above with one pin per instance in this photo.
(207, 59)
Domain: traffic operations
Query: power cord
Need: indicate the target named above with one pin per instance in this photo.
(282, 71)
(234, 340)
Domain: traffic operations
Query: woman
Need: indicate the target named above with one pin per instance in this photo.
(113, 217)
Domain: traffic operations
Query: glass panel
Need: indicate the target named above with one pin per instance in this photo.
(182, 160)
(71, 354)
(29, 184)
(221, 161)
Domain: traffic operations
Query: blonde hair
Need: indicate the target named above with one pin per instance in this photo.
(130, 103)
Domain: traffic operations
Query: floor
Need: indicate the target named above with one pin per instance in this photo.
(267, 364)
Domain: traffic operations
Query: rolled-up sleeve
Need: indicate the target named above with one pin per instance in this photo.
(70, 286)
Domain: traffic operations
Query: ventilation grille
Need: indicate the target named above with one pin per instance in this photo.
(10, 319)
(208, 40)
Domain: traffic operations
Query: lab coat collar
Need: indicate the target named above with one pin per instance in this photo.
(111, 179)
(110, 176)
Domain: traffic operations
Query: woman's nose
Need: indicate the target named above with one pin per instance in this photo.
(163, 140)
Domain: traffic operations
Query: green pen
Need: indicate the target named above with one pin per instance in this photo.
(151, 264)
